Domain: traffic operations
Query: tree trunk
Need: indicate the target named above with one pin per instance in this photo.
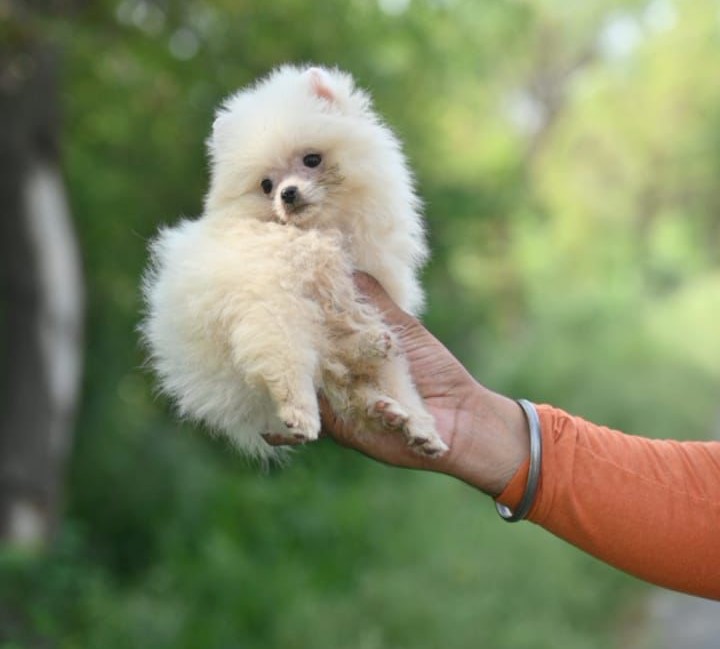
(42, 298)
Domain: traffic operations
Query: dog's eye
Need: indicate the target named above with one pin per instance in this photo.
(266, 185)
(312, 160)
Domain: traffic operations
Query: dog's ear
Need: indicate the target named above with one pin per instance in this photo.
(220, 133)
(321, 84)
(219, 125)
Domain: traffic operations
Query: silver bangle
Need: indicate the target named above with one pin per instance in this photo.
(526, 502)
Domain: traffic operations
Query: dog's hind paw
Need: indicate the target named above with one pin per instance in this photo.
(390, 413)
(423, 438)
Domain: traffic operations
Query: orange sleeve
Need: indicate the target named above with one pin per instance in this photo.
(648, 507)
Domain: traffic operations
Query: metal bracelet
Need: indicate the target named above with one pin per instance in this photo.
(526, 502)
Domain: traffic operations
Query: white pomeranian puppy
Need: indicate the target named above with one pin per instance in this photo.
(251, 308)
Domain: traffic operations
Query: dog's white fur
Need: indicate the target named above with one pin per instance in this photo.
(251, 309)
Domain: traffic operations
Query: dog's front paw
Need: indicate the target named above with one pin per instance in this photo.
(380, 344)
(300, 423)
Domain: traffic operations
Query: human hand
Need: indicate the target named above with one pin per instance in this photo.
(486, 433)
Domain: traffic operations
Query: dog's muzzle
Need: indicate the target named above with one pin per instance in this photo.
(289, 195)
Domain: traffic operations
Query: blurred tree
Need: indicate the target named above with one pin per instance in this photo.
(41, 286)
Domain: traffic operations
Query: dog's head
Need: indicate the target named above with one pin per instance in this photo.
(303, 147)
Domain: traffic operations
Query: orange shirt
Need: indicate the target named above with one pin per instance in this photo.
(648, 507)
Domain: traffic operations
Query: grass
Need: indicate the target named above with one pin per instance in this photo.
(365, 558)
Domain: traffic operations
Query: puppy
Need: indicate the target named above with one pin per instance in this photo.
(251, 310)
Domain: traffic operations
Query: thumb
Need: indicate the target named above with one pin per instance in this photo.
(377, 295)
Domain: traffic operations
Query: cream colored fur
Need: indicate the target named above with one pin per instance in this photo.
(251, 309)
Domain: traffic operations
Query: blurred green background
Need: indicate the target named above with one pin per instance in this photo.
(569, 156)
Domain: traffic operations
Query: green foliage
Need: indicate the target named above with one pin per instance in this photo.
(568, 154)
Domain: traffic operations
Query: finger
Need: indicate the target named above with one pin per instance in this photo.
(331, 426)
(278, 439)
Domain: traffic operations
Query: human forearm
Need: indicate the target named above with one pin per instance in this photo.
(649, 507)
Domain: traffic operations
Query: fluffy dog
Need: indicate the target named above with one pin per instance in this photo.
(251, 308)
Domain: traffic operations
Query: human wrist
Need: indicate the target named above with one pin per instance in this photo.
(515, 450)
(520, 507)
(491, 441)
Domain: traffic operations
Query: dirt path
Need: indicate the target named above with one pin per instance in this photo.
(676, 621)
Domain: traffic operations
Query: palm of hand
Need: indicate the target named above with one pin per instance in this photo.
(442, 382)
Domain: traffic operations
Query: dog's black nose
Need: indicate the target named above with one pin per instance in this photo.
(289, 194)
